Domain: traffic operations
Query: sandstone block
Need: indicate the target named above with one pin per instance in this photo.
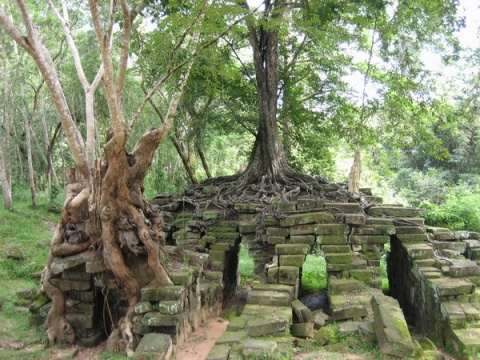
(266, 326)
(302, 330)
(309, 218)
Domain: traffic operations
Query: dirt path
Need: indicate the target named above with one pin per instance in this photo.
(201, 341)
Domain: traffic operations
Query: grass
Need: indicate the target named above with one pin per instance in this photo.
(314, 274)
(30, 230)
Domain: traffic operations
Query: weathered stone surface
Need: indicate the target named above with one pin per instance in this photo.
(307, 229)
(156, 318)
(336, 248)
(344, 207)
(395, 211)
(464, 268)
(254, 347)
(391, 329)
(152, 293)
(278, 231)
(247, 228)
(236, 323)
(309, 218)
(275, 239)
(454, 313)
(291, 260)
(286, 207)
(306, 204)
(331, 229)
(14, 253)
(339, 258)
(292, 249)
(367, 332)
(70, 285)
(301, 313)
(320, 318)
(369, 239)
(331, 239)
(265, 326)
(301, 239)
(61, 264)
(157, 346)
(450, 286)
(466, 342)
(412, 238)
(288, 275)
(419, 251)
(272, 298)
(348, 308)
(302, 330)
(247, 208)
(231, 337)
(354, 219)
(343, 286)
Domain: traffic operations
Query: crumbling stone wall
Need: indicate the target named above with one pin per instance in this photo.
(429, 273)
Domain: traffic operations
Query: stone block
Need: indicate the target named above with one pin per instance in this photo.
(278, 231)
(143, 307)
(253, 348)
(60, 264)
(354, 219)
(170, 307)
(291, 260)
(374, 230)
(292, 249)
(464, 268)
(288, 275)
(307, 229)
(367, 332)
(306, 204)
(410, 230)
(369, 239)
(157, 346)
(380, 221)
(454, 313)
(351, 307)
(271, 298)
(339, 258)
(304, 330)
(396, 211)
(419, 251)
(331, 239)
(452, 287)
(219, 352)
(155, 318)
(275, 287)
(412, 238)
(465, 342)
(273, 240)
(247, 228)
(231, 337)
(392, 332)
(71, 285)
(236, 323)
(301, 313)
(286, 207)
(320, 318)
(309, 218)
(265, 326)
(335, 248)
(331, 229)
(343, 286)
(415, 221)
(301, 239)
(344, 207)
(153, 293)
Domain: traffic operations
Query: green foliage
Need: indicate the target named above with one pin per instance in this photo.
(245, 264)
(458, 212)
(416, 186)
(314, 273)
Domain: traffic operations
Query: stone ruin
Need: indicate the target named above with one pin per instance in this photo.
(433, 276)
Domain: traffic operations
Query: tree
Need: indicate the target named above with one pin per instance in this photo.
(105, 202)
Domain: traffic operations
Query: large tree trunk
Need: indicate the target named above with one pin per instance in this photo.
(268, 161)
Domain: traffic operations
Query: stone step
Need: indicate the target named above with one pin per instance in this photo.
(349, 307)
(273, 298)
(392, 332)
(465, 341)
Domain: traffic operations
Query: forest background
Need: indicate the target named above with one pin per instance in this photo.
(389, 86)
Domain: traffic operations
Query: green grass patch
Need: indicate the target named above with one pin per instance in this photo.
(245, 264)
(314, 273)
(30, 230)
